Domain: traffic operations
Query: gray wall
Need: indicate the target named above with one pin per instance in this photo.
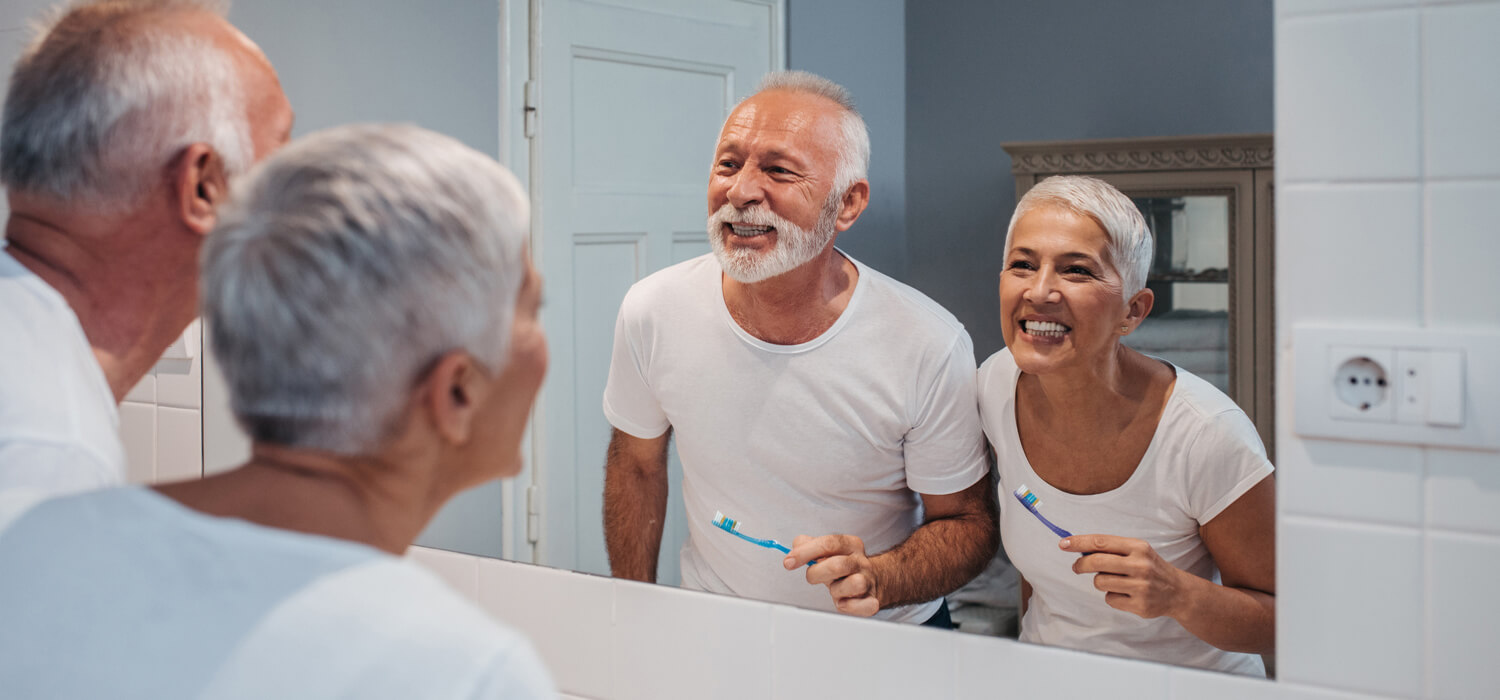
(861, 44)
(981, 72)
(432, 64)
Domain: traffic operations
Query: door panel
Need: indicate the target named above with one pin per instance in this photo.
(631, 95)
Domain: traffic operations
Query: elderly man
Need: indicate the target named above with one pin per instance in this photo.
(281, 578)
(808, 393)
(124, 124)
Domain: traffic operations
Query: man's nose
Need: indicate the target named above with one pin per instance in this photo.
(746, 188)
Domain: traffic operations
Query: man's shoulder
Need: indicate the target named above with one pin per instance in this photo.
(673, 286)
(901, 303)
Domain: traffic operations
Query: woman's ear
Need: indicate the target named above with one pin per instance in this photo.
(452, 394)
(201, 185)
(1138, 308)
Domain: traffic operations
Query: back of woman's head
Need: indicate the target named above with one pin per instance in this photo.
(345, 265)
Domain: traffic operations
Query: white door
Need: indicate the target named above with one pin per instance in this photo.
(629, 98)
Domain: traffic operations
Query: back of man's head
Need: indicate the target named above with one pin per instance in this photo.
(110, 92)
(345, 265)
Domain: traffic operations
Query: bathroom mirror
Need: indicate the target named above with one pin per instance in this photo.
(941, 85)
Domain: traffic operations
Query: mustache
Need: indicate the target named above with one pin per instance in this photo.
(754, 215)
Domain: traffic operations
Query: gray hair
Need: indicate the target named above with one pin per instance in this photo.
(854, 146)
(345, 265)
(106, 96)
(1130, 242)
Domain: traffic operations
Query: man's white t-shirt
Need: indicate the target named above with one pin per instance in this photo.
(125, 593)
(837, 435)
(1204, 456)
(59, 427)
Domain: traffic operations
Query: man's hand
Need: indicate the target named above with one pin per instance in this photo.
(839, 562)
(1132, 575)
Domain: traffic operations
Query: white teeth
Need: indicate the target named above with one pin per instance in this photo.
(1044, 328)
(743, 230)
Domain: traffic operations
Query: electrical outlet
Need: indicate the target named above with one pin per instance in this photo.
(1361, 383)
(1406, 385)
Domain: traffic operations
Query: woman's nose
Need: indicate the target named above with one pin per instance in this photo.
(1043, 288)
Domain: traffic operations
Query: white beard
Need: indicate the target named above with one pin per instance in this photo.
(794, 244)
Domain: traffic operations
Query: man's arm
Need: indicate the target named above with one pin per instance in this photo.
(957, 540)
(635, 503)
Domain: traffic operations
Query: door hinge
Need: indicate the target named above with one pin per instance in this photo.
(529, 109)
(533, 513)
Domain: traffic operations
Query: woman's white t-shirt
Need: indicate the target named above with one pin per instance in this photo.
(1204, 456)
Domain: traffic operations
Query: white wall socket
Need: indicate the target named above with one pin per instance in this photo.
(1403, 385)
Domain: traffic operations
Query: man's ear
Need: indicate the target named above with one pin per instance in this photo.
(452, 394)
(856, 198)
(1139, 308)
(201, 185)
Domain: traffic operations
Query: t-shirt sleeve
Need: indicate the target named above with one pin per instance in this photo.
(1227, 459)
(53, 468)
(945, 448)
(515, 674)
(629, 403)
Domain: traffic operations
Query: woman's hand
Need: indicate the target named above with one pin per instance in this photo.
(1132, 575)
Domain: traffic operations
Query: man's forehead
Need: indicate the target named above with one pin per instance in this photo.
(779, 116)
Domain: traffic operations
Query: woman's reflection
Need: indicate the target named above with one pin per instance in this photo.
(1134, 496)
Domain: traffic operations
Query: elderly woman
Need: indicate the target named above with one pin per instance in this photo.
(375, 317)
(1135, 497)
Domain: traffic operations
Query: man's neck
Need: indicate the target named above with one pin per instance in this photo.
(132, 287)
(795, 307)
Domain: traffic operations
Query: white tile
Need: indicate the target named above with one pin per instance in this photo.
(1193, 684)
(138, 432)
(1349, 606)
(1349, 253)
(1291, 8)
(144, 391)
(1463, 490)
(989, 667)
(461, 571)
(566, 615)
(1465, 616)
(1354, 480)
(826, 655)
(1461, 248)
(179, 383)
(1462, 104)
(671, 643)
(1347, 94)
(179, 444)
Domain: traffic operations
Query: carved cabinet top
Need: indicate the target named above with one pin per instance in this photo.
(1137, 155)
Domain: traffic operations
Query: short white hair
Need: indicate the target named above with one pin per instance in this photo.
(345, 265)
(854, 146)
(1130, 243)
(107, 95)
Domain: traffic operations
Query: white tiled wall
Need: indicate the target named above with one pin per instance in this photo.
(1388, 175)
(161, 421)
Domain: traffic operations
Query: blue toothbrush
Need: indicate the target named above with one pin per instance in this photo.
(729, 525)
(1029, 499)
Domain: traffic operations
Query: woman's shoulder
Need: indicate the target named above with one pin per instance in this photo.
(1201, 410)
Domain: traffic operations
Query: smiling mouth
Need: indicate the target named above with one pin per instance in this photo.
(1044, 329)
(748, 231)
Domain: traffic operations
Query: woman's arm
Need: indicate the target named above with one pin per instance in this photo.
(1239, 615)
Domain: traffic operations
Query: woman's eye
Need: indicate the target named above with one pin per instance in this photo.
(1020, 265)
(1078, 270)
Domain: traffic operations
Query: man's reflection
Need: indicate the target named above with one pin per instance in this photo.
(808, 392)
